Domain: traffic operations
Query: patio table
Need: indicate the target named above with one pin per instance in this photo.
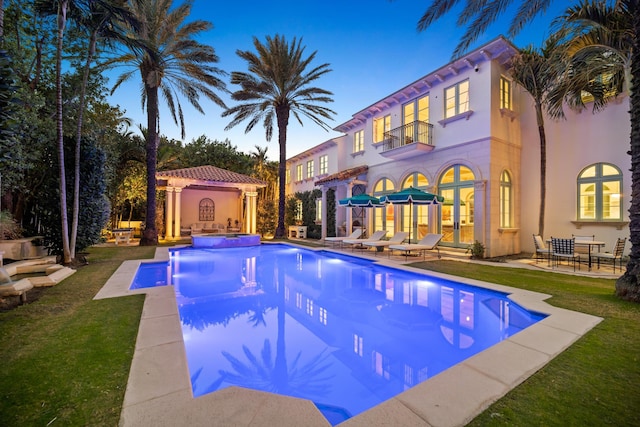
(590, 244)
(583, 242)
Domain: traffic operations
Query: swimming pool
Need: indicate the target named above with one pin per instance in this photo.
(341, 331)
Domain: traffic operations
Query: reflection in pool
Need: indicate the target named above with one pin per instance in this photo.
(341, 331)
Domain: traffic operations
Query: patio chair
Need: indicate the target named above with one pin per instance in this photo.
(338, 240)
(427, 243)
(542, 250)
(396, 239)
(616, 255)
(375, 237)
(564, 249)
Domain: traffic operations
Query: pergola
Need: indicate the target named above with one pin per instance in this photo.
(208, 182)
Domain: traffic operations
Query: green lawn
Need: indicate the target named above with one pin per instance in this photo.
(66, 357)
(596, 381)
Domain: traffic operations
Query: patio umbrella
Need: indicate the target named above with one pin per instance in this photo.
(361, 201)
(410, 196)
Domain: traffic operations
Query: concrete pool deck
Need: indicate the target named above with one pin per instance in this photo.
(159, 389)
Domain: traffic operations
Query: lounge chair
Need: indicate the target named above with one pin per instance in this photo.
(338, 240)
(396, 239)
(375, 237)
(427, 243)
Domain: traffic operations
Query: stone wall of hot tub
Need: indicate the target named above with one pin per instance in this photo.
(213, 241)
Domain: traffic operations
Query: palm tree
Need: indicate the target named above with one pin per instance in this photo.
(171, 61)
(602, 54)
(532, 70)
(482, 14)
(277, 85)
(61, 14)
(99, 19)
(598, 43)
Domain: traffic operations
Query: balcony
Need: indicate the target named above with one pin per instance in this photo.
(409, 140)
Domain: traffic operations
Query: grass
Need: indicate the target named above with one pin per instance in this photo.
(596, 381)
(66, 358)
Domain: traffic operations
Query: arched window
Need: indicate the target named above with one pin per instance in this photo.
(599, 193)
(383, 218)
(416, 214)
(506, 201)
(207, 210)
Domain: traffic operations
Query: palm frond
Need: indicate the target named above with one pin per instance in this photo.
(435, 11)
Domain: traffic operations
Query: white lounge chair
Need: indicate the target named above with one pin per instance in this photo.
(338, 240)
(375, 237)
(396, 239)
(427, 243)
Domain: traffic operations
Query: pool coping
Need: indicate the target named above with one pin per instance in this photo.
(159, 389)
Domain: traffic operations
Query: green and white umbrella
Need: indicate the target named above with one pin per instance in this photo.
(411, 196)
(361, 201)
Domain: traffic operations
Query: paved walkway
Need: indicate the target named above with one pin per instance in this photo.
(159, 389)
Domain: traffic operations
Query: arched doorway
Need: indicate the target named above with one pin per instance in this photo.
(420, 215)
(456, 219)
(383, 218)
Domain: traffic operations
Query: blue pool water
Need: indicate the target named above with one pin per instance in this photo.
(341, 331)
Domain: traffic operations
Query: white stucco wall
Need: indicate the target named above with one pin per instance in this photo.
(581, 140)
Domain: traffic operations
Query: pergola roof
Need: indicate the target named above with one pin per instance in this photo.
(212, 175)
(343, 175)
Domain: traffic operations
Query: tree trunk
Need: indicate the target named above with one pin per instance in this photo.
(282, 115)
(150, 234)
(543, 168)
(1, 22)
(66, 253)
(76, 185)
(628, 285)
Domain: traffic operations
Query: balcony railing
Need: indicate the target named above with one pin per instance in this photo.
(411, 133)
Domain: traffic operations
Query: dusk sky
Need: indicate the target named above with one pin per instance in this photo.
(372, 47)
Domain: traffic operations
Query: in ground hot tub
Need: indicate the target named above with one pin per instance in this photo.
(215, 241)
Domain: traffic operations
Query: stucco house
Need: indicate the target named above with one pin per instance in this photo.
(468, 132)
(205, 198)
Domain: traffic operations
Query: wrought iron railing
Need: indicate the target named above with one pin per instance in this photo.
(411, 133)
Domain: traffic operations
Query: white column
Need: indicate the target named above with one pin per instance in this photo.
(168, 218)
(349, 210)
(178, 216)
(323, 214)
(251, 211)
(479, 214)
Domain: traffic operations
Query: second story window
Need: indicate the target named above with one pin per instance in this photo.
(505, 93)
(310, 169)
(324, 164)
(299, 173)
(456, 99)
(380, 126)
(288, 177)
(422, 107)
(358, 141)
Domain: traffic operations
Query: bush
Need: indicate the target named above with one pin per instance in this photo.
(9, 228)
(477, 250)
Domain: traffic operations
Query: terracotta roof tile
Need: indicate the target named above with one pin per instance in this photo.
(211, 173)
(342, 175)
